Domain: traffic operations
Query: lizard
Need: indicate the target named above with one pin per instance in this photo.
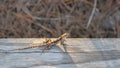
(49, 43)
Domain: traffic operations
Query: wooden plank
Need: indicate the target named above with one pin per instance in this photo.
(78, 53)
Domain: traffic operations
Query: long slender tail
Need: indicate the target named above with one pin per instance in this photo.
(29, 47)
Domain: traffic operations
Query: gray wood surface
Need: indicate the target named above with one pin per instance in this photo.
(78, 53)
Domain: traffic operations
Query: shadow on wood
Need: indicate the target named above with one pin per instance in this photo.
(54, 57)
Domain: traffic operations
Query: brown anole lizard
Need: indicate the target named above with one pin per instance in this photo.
(49, 43)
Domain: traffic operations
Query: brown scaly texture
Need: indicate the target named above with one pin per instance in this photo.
(49, 43)
(51, 18)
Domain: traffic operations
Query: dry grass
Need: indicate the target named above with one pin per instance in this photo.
(51, 18)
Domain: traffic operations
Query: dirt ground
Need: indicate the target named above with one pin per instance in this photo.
(51, 18)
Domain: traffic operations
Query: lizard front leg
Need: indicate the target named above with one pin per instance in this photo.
(62, 41)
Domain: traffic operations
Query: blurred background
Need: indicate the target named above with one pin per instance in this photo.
(51, 18)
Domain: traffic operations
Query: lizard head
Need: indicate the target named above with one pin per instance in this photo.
(65, 35)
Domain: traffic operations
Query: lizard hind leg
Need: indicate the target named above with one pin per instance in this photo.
(47, 40)
(46, 48)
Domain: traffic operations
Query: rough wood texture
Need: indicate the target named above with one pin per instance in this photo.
(78, 53)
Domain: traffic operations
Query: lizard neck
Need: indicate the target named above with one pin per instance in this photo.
(59, 39)
(55, 41)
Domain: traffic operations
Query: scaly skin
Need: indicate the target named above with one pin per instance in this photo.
(49, 43)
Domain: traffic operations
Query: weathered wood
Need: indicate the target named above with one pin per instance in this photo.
(78, 53)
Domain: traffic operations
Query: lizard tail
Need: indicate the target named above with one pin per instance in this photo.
(24, 48)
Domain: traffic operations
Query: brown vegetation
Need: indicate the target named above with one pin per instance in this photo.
(51, 18)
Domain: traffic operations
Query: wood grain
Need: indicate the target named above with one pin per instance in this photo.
(77, 53)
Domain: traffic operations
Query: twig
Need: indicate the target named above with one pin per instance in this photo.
(25, 9)
(47, 29)
(93, 11)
